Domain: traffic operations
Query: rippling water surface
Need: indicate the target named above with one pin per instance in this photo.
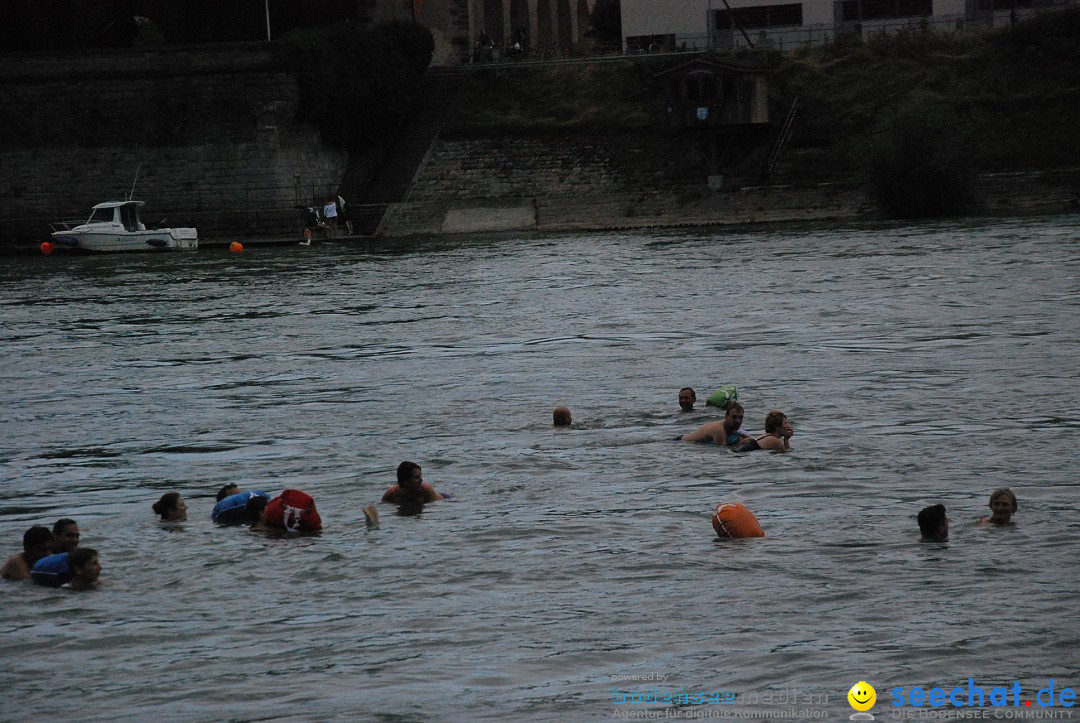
(918, 364)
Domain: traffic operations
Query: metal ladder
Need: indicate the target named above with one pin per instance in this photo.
(785, 131)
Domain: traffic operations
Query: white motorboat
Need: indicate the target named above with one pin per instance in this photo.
(116, 226)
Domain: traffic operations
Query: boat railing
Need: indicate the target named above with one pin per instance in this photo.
(65, 225)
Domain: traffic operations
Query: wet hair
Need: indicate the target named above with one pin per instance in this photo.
(168, 502)
(36, 535)
(733, 405)
(774, 420)
(689, 389)
(931, 519)
(1004, 491)
(254, 508)
(405, 470)
(81, 557)
(561, 417)
(60, 524)
(224, 491)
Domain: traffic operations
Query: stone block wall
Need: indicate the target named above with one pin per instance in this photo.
(211, 131)
(557, 166)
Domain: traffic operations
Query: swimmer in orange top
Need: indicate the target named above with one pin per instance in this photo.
(410, 487)
(1002, 506)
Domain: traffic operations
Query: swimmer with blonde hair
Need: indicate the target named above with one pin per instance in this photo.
(1002, 507)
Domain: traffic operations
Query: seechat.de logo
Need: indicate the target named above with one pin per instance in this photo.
(862, 697)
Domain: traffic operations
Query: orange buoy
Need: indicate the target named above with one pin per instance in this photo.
(734, 520)
(236, 247)
(46, 248)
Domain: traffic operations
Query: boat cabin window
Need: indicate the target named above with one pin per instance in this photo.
(101, 215)
(130, 218)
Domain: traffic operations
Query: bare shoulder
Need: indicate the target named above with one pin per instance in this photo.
(771, 443)
(705, 432)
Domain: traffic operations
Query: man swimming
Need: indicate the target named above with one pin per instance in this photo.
(687, 397)
(726, 433)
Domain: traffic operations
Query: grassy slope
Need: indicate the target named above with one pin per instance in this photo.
(1015, 95)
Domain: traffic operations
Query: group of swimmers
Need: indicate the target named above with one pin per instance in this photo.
(934, 520)
(54, 558)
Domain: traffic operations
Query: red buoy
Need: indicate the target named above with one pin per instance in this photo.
(46, 248)
(236, 247)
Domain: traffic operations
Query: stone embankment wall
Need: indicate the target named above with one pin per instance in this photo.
(565, 184)
(211, 130)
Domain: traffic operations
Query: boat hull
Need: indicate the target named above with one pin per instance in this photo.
(110, 241)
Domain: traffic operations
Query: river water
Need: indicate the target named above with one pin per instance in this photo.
(919, 364)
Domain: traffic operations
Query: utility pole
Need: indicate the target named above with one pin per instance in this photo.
(267, 3)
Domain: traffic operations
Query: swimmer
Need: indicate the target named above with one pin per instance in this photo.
(777, 437)
(291, 511)
(933, 524)
(411, 487)
(65, 535)
(1002, 506)
(687, 397)
(85, 569)
(171, 507)
(227, 491)
(561, 417)
(254, 512)
(37, 543)
(726, 433)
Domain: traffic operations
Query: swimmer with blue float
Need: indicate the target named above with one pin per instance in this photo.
(78, 570)
(725, 433)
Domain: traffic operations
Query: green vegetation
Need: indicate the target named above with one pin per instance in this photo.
(578, 98)
(944, 104)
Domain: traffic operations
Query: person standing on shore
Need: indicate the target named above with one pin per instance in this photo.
(329, 212)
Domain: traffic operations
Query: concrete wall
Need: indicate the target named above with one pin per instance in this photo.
(212, 131)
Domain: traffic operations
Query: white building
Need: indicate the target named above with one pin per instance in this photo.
(666, 25)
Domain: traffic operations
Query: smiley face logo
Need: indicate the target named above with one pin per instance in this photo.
(862, 696)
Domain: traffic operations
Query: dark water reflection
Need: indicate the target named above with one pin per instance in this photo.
(919, 364)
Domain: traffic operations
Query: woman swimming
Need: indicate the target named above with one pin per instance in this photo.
(778, 431)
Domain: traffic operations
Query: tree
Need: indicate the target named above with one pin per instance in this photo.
(606, 22)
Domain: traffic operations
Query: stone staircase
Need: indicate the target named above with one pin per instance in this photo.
(368, 199)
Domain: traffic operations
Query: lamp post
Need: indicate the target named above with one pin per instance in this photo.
(267, 4)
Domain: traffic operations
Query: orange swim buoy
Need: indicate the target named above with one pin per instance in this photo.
(46, 248)
(236, 247)
(732, 519)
